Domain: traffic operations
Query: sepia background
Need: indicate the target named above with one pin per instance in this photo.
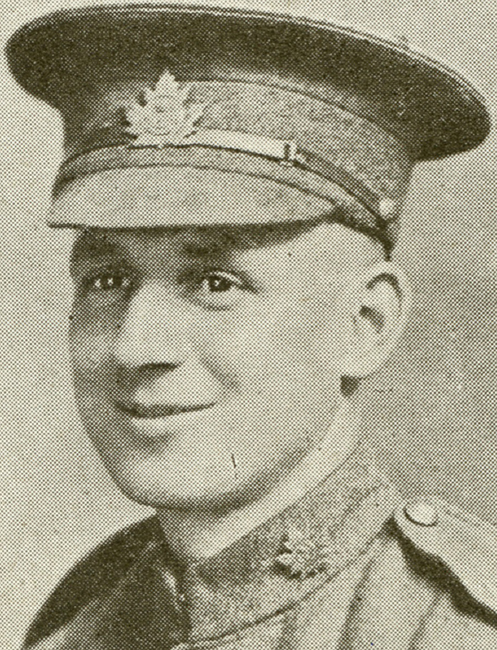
(431, 413)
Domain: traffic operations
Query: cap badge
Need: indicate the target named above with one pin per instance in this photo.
(302, 557)
(165, 117)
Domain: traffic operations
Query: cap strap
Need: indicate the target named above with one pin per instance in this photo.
(232, 140)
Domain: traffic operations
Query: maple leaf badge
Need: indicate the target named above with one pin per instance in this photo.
(302, 557)
(165, 117)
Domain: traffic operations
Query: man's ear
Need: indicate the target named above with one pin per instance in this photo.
(379, 304)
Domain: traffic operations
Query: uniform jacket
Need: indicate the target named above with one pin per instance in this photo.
(348, 567)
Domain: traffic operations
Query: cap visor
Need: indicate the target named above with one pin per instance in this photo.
(155, 197)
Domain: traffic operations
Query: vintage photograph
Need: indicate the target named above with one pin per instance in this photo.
(247, 319)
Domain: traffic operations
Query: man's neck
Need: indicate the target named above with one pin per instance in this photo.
(194, 536)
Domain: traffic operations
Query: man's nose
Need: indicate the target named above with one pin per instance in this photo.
(154, 331)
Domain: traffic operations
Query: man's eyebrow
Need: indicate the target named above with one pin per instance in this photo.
(205, 245)
(88, 247)
(202, 250)
(217, 241)
(211, 241)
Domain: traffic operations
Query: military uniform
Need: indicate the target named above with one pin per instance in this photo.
(161, 100)
(350, 566)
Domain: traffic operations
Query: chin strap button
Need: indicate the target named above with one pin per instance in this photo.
(421, 513)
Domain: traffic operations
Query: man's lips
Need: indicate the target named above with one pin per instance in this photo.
(155, 411)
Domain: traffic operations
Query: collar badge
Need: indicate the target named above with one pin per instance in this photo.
(165, 117)
(302, 557)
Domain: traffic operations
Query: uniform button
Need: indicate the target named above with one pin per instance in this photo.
(422, 513)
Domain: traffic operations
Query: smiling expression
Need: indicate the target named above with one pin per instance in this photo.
(207, 361)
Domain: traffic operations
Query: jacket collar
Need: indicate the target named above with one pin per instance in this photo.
(282, 561)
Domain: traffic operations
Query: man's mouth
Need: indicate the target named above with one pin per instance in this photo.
(156, 411)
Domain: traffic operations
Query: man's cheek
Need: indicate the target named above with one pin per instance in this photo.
(238, 349)
(258, 357)
(90, 355)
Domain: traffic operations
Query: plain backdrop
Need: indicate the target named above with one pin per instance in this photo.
(431, 413)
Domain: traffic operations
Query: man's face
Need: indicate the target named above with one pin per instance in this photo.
(207, 362)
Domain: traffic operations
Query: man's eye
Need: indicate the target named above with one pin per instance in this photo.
(109, 282)
(219, 290)
(220, 283)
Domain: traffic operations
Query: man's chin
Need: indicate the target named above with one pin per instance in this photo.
(157, 491)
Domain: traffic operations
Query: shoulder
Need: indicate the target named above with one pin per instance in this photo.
(93, 576)
(436, 577)
(459, 544)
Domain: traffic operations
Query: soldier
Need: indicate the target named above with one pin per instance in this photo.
(234, 181)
